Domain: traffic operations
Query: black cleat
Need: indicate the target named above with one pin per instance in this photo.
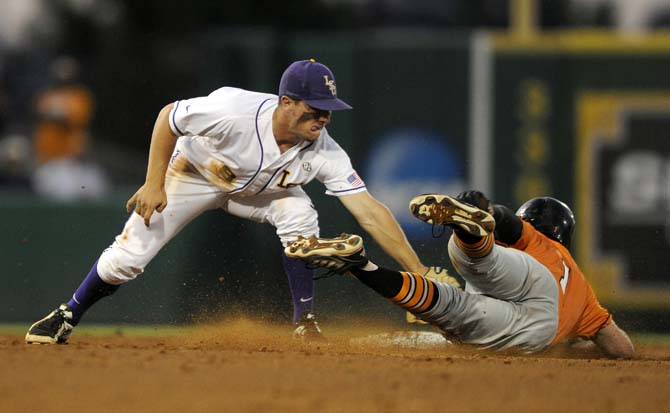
(55, 328)
(308, 329)
(339, 254)
(444, 210)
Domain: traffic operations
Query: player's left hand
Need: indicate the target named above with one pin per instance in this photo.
(148, 199)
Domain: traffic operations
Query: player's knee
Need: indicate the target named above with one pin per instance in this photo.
(116, 266)
(302, 220)
(544, 330)
(287, 237)
(543, 341)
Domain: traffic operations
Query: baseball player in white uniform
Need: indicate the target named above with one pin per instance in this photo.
(247, 153)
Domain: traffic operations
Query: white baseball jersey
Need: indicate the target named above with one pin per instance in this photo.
(228, 138)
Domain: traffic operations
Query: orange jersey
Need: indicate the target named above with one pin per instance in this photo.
(579, 312)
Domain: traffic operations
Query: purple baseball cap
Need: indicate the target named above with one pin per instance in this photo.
(313, 83)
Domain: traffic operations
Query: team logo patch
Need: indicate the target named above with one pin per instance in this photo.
(175, 155)
(330, 84)
(226, 173)
(306, 166)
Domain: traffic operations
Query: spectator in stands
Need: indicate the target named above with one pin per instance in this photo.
(63, 115)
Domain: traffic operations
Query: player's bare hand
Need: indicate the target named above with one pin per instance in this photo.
(147, 199)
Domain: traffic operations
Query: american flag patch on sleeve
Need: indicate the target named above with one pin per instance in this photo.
(354, 179)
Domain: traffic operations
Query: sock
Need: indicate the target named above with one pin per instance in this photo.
(89, 292)
(478, 249)
(386, 282)
(466, 237)
(301, 283)
(369, 266)
(408, 290)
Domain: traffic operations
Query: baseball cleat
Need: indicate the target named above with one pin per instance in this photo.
(308, 329)
(339, 254)
(55, 328)
(444, 210)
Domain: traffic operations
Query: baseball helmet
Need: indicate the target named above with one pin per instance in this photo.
(551, 217)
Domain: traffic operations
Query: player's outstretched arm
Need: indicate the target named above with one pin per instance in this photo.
(378, 221)
(151, 196)
(614, 342)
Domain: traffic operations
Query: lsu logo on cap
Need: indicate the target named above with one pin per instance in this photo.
(330, 84)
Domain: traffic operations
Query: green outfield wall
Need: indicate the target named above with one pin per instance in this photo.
(218, 265)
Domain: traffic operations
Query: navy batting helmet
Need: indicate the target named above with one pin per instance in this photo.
(551, 217)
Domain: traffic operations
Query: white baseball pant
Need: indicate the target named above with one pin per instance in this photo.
(189, 195)
(510, 300)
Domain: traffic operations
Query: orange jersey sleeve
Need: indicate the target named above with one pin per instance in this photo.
(580, 313)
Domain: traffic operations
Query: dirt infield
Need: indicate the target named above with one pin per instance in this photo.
(242, 366)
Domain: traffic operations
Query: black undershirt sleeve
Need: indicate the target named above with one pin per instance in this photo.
(508, 225)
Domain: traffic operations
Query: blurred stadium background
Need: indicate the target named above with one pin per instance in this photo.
(519, 98)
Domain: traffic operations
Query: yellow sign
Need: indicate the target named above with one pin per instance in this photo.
(601, 124)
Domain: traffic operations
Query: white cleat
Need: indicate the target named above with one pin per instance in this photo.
(444, 210)
(339, 254)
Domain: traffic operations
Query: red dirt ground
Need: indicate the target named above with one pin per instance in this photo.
(247, 367)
